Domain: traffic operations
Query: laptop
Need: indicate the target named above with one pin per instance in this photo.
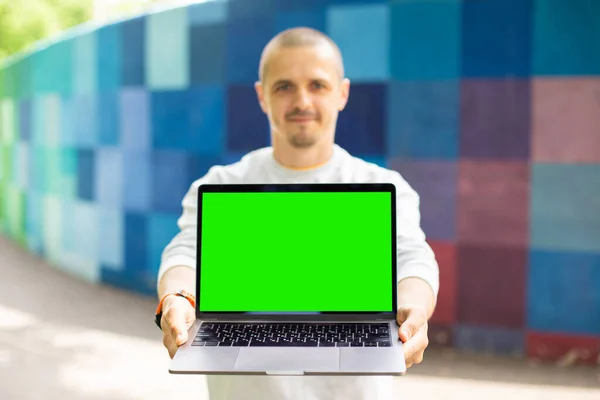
(295, 279)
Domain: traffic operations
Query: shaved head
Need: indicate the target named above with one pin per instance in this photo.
(296, 37)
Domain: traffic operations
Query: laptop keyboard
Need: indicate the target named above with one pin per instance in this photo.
(293, 335)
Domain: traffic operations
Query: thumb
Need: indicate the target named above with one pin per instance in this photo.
(410, 326)
(178, 325)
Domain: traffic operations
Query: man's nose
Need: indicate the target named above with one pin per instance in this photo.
(302, 99)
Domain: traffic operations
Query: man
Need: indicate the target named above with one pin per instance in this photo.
(301, 90)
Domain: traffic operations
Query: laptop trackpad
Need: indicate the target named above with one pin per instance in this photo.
(288, 359)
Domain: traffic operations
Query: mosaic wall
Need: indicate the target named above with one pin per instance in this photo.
(489, 108)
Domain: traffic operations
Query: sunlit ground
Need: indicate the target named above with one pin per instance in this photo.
(61, 338)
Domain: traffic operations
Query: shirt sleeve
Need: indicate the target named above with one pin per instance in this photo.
(415, 256)
(181, 250)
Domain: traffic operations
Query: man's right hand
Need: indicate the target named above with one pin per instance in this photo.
(177, 318)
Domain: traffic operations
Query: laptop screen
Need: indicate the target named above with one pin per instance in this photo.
(296, 252)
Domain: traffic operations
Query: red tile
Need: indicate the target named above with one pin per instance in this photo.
(445, 311)
(564, 349)
(566, 120)
(493, 203)
(440, 335)
(491, 286)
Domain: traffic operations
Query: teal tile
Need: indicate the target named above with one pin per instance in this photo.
(85, 64)
(208, 13)
(52, 69)
(21, 165)
(167, 50)
(162, 227)
(564, 207)
(425, 39)
(8, 121)
(566, 37)
(52, 229)
(365, 51)
(53, 117)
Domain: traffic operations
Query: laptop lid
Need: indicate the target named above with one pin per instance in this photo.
(296, 252)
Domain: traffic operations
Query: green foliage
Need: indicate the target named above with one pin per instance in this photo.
(23, 22)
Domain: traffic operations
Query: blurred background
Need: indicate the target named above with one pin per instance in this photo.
(110, 109)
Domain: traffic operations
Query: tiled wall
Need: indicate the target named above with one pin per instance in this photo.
(490, 108)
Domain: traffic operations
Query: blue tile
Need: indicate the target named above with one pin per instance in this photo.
(109, 57)
(208, 13)
(25, 117)
(243, 9)
(108, 118)
(85, 123)
(135, 276)
(162, 227)
(365, 51)
(137, 169)
(198, 166)
(293, 5)
(111, 237)
(497, 38)
(425, 39)
(86, 174)
(377, 160)
(361, 126)
(109, 177)
(564, 292)
(67, 122)
(85, 225)
(312, 18)
(208, 44)
(33, 221)
(575, 53)
(133, 51)
(490, 340)
(248, 126)
(192, 120)
(135, 119)
(423, 119)
(137, 282)
(246, 40)
(167, 50)
(564, 207)
(168, 188)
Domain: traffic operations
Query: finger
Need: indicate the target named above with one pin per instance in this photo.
(176, 320)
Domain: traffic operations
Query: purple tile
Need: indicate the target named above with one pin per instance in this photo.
(436, 184)
(490, 340)
(493, 203)
(491, 286)
(495, 118)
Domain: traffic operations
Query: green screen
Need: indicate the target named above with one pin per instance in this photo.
(296, 252)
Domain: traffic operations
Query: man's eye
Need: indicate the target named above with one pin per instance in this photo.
(283, 87)
(317, 85)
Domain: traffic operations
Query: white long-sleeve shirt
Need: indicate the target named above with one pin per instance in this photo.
(415, 259)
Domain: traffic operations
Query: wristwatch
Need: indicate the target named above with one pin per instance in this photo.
(182, 293)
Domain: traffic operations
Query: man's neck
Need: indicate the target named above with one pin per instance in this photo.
(302, 159)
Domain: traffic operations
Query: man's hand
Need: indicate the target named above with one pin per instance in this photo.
(178, 316)
(413, 333)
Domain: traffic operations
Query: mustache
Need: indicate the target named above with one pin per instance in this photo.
(301, 114)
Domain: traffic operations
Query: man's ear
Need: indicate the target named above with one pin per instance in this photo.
(260, 93)
(345, 93)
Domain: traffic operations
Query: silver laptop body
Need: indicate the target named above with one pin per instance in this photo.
(316, 292)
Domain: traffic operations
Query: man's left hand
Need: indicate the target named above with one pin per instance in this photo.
(413, 333)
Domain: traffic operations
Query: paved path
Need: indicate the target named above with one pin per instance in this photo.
(61, 338)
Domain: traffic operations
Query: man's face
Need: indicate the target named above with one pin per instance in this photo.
(302, 93)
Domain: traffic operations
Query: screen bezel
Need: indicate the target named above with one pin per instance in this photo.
(299, 187)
